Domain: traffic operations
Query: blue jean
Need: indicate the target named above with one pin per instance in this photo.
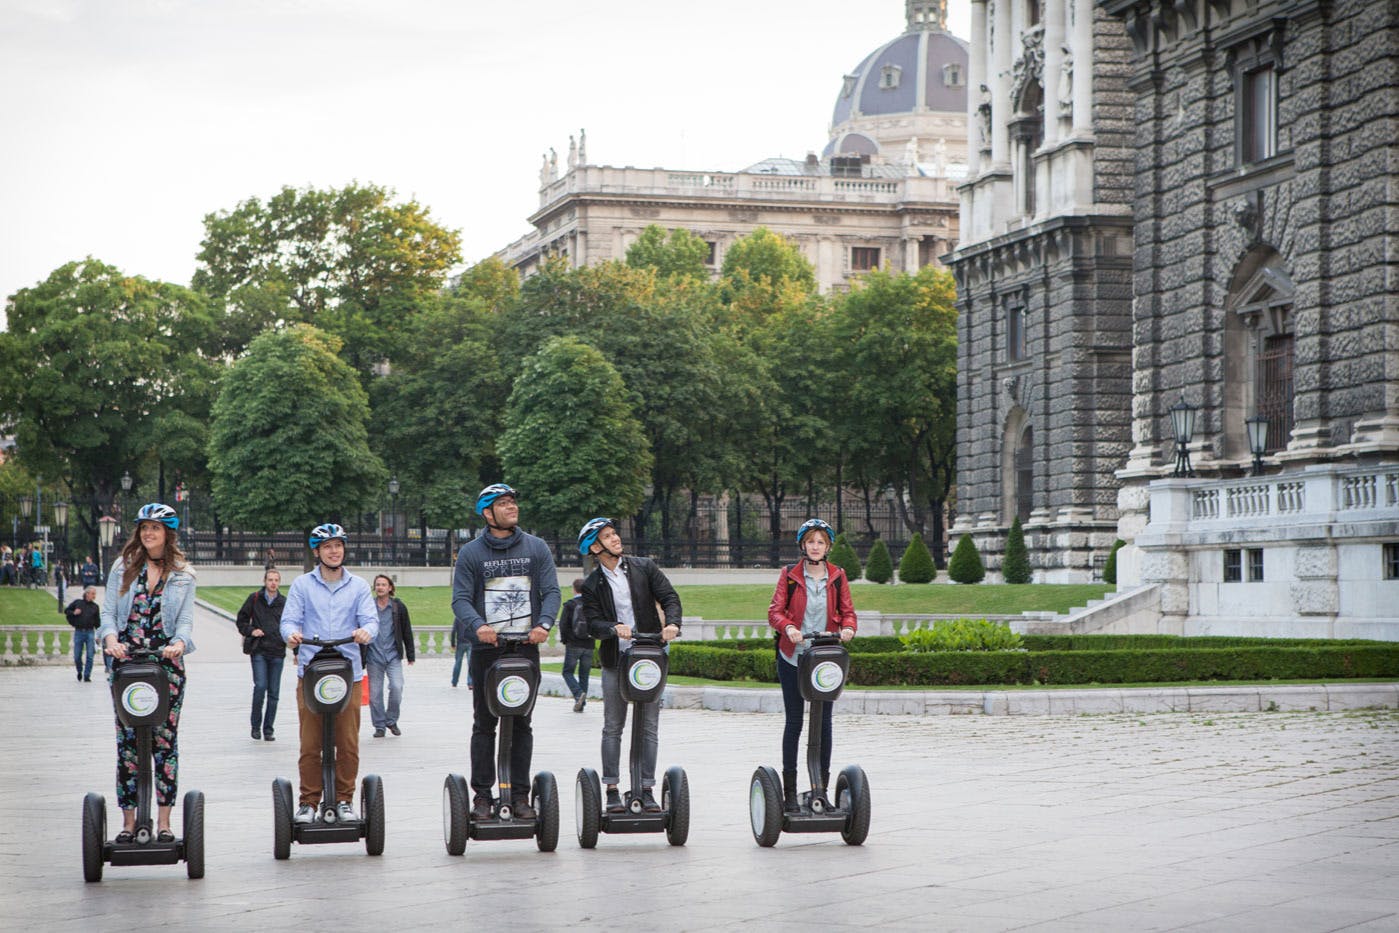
(384, 714)
(647, 718)
(267, 682)
(84, 643)
(795, 708)
(463, 651)
(583, 659)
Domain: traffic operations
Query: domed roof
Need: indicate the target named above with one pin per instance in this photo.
(923, 70)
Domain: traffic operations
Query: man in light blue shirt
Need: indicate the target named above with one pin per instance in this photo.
(328, 603)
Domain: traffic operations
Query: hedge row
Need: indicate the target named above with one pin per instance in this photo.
(1080, 666)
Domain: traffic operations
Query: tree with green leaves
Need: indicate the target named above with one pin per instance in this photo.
(678, 253)
(353, 261)
(1015, 563)
(880, 567)
(572, 443)
(966, 565)
(766, 258)
(1110, 567)
(916, 564)
(289, 444)
(844, 557)
(108, 370)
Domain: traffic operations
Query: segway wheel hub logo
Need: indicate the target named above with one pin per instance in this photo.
(512, 691)
(331, 690)
(139, 699)
(644, 675)
(826, 676)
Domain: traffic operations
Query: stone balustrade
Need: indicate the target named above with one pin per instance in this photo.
(36, 644)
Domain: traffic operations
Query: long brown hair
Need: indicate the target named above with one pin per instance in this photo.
(133, 555)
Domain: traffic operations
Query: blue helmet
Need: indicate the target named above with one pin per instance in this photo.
(323, 533)
(815, 524)
(159, 512)
(590, 531)
(486, 497)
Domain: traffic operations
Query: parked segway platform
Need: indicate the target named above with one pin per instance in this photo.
(642, 673)
(822, 670)
(141, 694)
(512, 686)
(327, 688)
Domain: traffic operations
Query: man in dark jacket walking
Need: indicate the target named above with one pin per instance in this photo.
(578, 647)
(620, 597)
(384, 657)
(85, 617)
(260, 622)
(505, 582)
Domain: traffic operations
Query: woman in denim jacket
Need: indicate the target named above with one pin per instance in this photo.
(149, 604)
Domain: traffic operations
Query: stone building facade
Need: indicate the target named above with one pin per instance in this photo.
(1266, 263)
(1043, 274)
(881, 193)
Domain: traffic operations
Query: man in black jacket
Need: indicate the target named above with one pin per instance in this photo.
(620, 596)
(578, 647)
(85, 617)
(260, 623)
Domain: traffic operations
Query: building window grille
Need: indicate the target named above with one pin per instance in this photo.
(1025, 475)
(952, 75)
(1274, 382)
(1391, 561)
(710, 259)
(1255, 565)
(1016, 342)
(889, 76)
(864, 258)
(1257, 113)
(1233, 565)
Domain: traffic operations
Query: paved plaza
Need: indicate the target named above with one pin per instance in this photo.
(1204, 821)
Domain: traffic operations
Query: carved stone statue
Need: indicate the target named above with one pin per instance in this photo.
(553, 164)
(983, 119)
(544, 170)
(1065, 92)
(582, 147)
(911, 151)
(572, 153)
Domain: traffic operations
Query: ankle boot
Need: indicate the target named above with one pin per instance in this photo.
(789, 791)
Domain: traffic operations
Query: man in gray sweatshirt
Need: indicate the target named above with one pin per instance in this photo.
(505, 582)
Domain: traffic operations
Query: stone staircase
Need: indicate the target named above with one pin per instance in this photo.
(1129, 612)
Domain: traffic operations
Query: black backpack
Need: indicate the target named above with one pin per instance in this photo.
(575, 623)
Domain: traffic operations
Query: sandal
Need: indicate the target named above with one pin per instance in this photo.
(124, 836)
(165, 835)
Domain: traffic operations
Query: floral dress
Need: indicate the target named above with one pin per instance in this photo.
(143, 630)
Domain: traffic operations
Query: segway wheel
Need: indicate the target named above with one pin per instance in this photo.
(455, 814)
(94, 835)
(281, 819)
(587, 806)
(371, 795)
(765, 806)
(546, 804)
(853, 796)
(675, 800)
(194, 833)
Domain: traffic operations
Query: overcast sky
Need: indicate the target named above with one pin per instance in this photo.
(124, 122)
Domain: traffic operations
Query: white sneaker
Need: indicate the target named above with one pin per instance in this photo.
(345, 811)
(305, 814)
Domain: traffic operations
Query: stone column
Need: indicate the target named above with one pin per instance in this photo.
(1082, 44)
(976, 77)
(1053, 64)
(1003, 43)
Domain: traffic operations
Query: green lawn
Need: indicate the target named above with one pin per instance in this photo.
(431, 605)
(32, 607)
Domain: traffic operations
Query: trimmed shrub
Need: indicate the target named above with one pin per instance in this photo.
(965, 565)
(1015, 566)
(844, 557)
(880, 568)
(963, 635)
(1110, 567)
(916, 565)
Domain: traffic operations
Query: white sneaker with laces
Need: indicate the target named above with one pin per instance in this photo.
(305, 814)
(345, 811)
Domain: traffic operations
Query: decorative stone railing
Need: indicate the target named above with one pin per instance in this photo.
(35, 644)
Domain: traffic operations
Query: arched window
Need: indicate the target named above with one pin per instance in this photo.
(1017, 467)
(1258, 346)
(1027, 135)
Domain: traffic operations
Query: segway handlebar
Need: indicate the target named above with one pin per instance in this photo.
(327, 642)
(141, 654)
(647, 638)
(823, 638)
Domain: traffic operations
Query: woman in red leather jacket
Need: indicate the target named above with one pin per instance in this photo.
(812, 596)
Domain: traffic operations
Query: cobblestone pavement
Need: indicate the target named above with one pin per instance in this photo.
(1224, 821)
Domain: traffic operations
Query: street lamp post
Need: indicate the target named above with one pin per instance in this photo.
(393, 517)
(106, 534)
(1257, 428)
(60, 518)
(1183, 426)
(125, 488)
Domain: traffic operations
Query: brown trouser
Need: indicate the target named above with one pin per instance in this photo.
(346, 749)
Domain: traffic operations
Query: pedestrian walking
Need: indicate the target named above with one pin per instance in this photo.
(88, 573)
(619, 598)
(384, 657)
(259, 621)
(578, 647)
(461, 647)
(60, 581)
(328, 603)
(505, 582)
(86, 617)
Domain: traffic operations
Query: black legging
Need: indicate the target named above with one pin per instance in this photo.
(795, 708)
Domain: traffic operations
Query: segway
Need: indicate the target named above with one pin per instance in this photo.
(141, 694)
(642, 672)
(327, 688)
(512, 686)
(821, 672)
